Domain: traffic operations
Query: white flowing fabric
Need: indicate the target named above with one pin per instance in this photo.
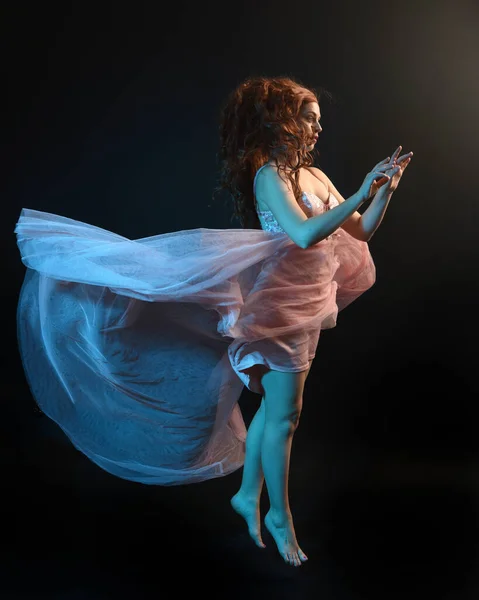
(140, 349)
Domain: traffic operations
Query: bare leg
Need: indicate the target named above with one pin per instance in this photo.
(283, 403)
(278, 449)
(246, 501)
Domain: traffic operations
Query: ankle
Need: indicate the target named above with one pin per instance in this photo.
(280, 518)
(248, 496)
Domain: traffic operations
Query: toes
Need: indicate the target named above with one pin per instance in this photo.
(292, 559)
(302, 556)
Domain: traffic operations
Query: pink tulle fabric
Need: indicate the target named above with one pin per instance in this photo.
(139, 349)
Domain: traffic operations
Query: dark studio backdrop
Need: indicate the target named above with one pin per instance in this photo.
(112, 119)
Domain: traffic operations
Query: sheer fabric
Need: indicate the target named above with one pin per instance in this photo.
(139, 349)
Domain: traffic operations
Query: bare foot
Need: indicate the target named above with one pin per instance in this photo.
(285, 538)
(249, 510)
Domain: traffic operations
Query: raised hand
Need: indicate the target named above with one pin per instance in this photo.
(396, 167)
(377, 178)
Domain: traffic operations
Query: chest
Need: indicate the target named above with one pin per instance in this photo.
(309, 184)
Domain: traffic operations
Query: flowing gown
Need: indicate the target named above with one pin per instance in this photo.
(140, 349)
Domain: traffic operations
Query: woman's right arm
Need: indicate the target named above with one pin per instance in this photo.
(320, 226)
(277, 194)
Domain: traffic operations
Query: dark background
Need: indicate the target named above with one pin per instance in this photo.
(112, 119)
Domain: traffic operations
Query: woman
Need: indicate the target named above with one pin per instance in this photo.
(139, 349)
(270, 127)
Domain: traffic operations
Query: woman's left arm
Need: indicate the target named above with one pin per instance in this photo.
(353, 225)
(363, 226)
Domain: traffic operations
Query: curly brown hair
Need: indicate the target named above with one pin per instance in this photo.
(260, 123)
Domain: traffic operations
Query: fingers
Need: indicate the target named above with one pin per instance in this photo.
(379, 173)
(385, 167)
(399, 169)
(389, 170)
(405, 157)
(394, 159)
(381, 163)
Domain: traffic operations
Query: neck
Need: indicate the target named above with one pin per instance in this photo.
(281, 162)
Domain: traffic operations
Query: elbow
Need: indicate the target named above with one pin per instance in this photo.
(366, 238)
(304, 244)
(307, 243)
(303, 236)
(362, 236)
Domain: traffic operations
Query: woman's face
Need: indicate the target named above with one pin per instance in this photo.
(310, 119)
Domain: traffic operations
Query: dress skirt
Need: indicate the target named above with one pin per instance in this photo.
(140, 349)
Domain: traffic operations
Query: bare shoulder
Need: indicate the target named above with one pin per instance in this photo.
(315, 181)
(274, 192)
(269, 173)
(321, 175)
(269, 181)
(331, 188)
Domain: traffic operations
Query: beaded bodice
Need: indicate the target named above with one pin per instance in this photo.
(313, 204)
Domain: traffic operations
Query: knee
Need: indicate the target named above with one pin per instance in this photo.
(288, 422)
(294, 420)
